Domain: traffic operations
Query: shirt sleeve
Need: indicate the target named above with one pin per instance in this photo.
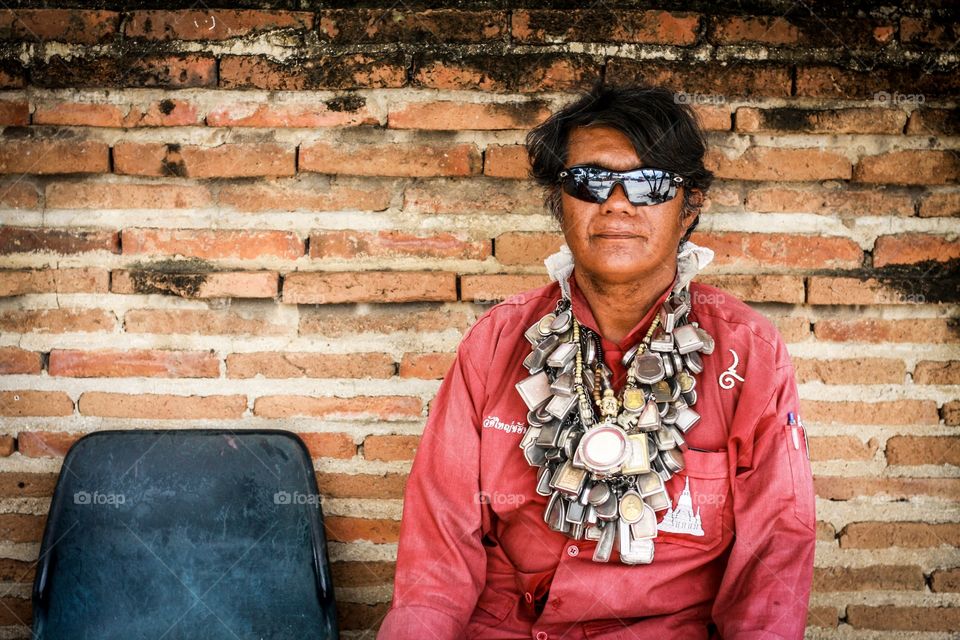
(765, 589)
(441, 562)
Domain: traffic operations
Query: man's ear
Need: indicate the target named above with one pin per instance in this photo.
(693, 203)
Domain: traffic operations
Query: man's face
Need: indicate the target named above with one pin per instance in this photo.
(616, 241)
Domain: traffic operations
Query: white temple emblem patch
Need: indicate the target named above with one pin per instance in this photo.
(682, 519)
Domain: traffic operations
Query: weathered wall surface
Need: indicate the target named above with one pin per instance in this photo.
(286, 217)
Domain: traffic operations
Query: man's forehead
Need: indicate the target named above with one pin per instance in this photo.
(588, 148)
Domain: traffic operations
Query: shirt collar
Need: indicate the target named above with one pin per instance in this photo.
(584, 314)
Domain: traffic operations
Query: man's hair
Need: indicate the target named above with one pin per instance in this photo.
(665, 133)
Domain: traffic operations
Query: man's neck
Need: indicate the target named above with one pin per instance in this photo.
(618, 307)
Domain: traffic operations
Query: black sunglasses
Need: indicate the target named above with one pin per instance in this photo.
(644, 186)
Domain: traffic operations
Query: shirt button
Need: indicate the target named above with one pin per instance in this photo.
(528, 597)
(542, 635)
(573, 551)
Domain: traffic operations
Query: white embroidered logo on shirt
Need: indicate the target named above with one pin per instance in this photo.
(682, 519)
(726, 378)
(494, 422)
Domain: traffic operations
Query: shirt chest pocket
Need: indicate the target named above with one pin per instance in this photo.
(700, 514)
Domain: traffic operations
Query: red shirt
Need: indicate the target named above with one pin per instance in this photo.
(476, 559)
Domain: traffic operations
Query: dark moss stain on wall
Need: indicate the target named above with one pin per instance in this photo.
(171, 277)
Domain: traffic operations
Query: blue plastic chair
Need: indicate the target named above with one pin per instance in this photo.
(199, 533)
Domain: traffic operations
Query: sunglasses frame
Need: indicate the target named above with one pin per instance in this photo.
(576, 174)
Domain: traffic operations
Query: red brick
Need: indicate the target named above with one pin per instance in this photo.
(912, 166)
(945, 580)
(829, 201)
(54, 156)
(853, 120)
(35, 403)
(329, 445)
(779, 163)
(940, 34)
(945, 204)
(909, 248)
(205, 322)
(346, 71)
(526, 248)
(911, 535)
(14, 360)
(354, 26)
(937, 372)
(873, 413)
(125, 195)
(355, 407)
(8, 445)
(361, 485)
(454, 116)
(905, 618)
(360, 244)
(213, 244)
(494, 288)
(19, 193)
(161, 407)
(194, 161)
(524, 73)
(919, 450)
(876, 83)
(45, 444)
(133, 363)
(773, 30)
(933, 122)
(793, 329)
(227, 284)
(21, 527)
(919, 330)
(506, 161)
(541, 26)
(877, 577)
(58, 321)
(215, 24)
(134, 69)
(343, 529)
(713, 117)
(333, 113)
(846, 488)
(390, 447)
(362, 574)
(758, 288)
(766, 250)
(851, 370)
(80, 280)
(823, 617)
(311, 193)
(62, 241)
(842, 448)
(391, 159)
(734, 79)
(445, 195)
(160, 113)
(321, 287)
(427, 366)
(60, 25)
(14, 113)
(870, 291)
(310, 365)
(384, 319)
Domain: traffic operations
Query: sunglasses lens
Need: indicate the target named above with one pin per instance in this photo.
(642, 186)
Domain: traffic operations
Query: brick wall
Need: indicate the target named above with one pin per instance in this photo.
(287, 218)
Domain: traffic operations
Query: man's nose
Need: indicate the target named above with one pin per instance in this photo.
(617, 201)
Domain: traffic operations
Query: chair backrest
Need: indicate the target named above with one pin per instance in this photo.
(198, 533)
